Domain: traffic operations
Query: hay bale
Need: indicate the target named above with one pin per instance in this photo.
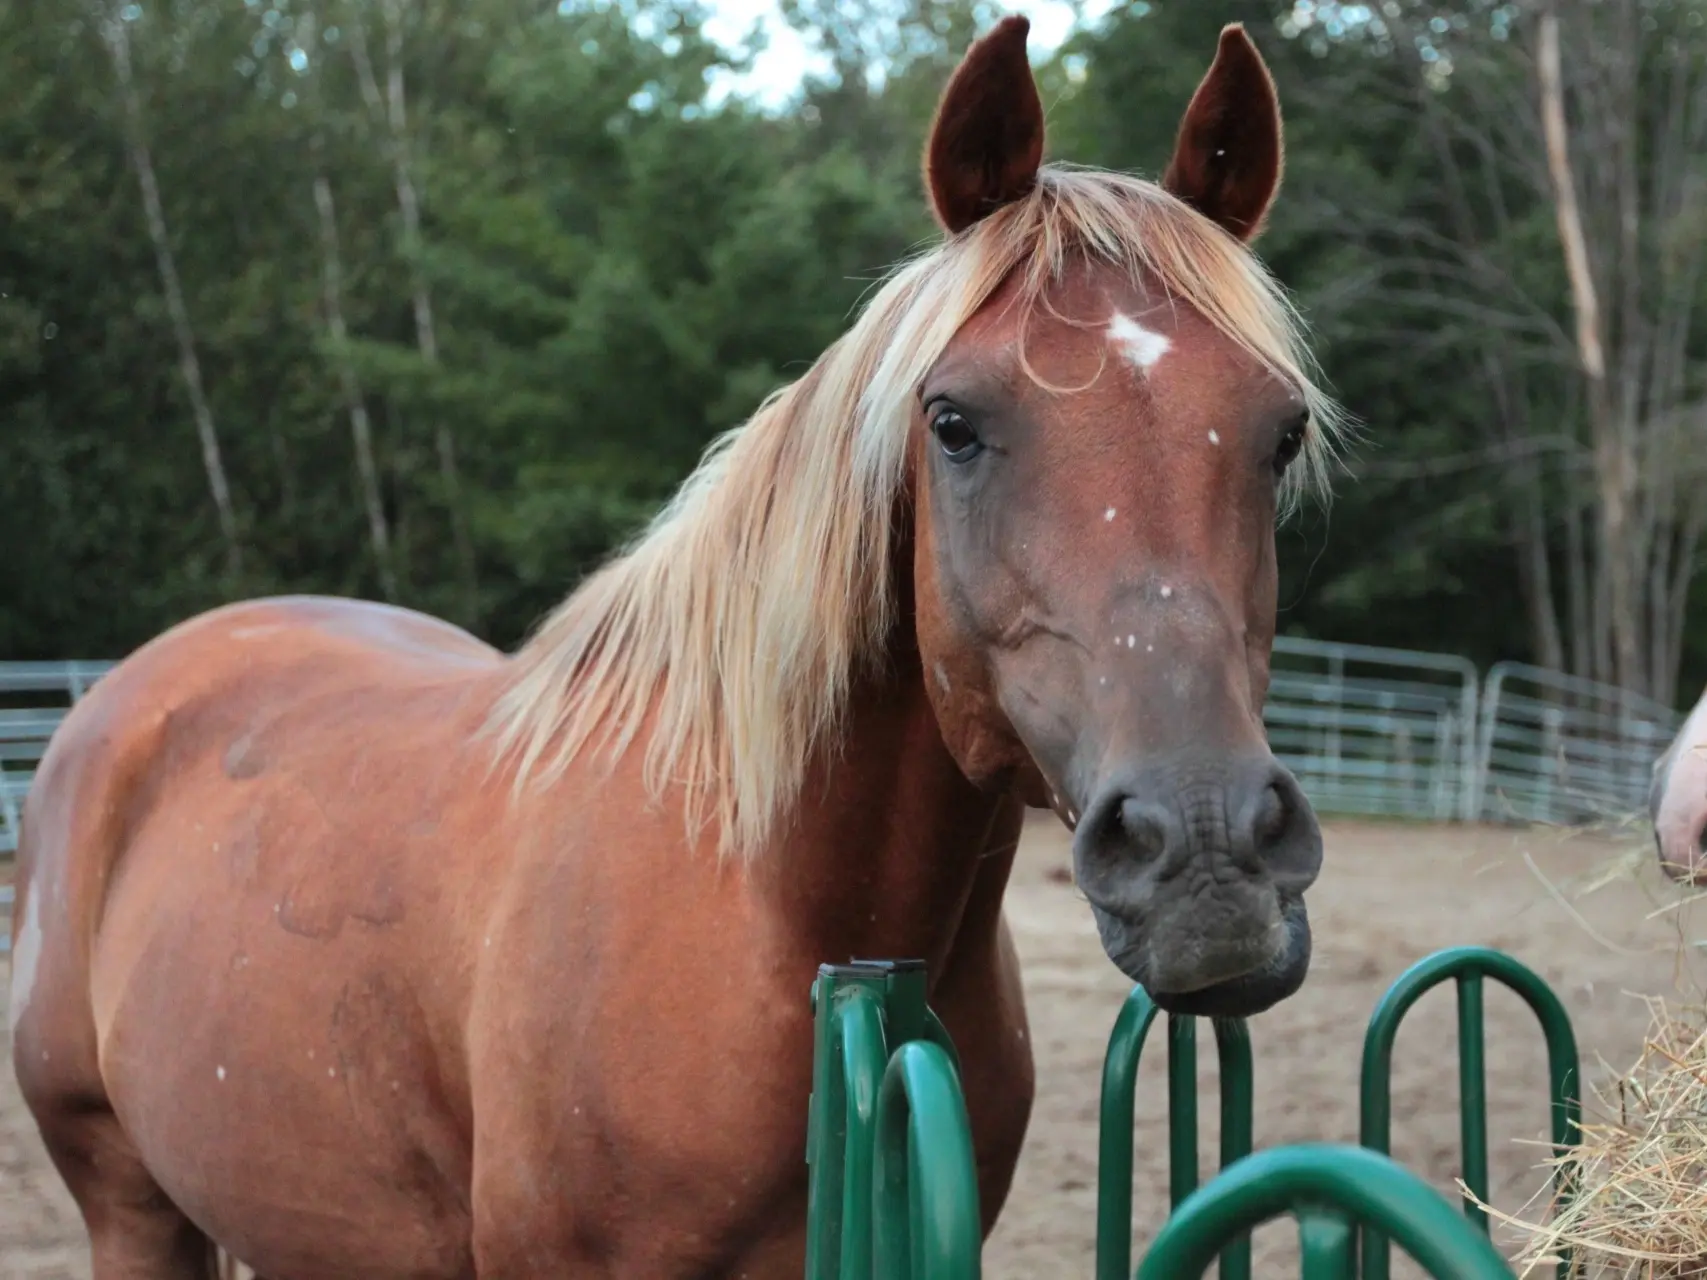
(1639, 1203)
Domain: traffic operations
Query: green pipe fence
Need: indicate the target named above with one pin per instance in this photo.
(1469, 966)
(1119, 1104)
(893, 1191)
(893, 1178)
(1327, 1188)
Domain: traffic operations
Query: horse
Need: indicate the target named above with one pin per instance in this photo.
(1677, 801)
(352, 945)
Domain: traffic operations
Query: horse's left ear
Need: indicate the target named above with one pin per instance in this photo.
(1228, 156)
(986, 142)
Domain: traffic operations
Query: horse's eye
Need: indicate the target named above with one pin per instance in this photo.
(954, 435)
(1291, 443)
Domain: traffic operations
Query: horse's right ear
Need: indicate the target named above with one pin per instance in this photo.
(986, 142)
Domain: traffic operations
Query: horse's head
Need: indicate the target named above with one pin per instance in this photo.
(1098, 461)
(1678, 801)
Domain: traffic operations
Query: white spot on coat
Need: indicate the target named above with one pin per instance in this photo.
(220, 1072)
(1167, 592)
(941, 677)
(1131, 642)
(1142, 347)
(1214, 437)
(1109, 514)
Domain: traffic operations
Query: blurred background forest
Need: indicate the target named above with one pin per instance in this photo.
(435, 300)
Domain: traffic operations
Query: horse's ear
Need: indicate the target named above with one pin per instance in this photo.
(1228, 157)
(986, 142)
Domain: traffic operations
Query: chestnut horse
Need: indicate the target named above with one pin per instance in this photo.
(1677, 801)
(353, 947)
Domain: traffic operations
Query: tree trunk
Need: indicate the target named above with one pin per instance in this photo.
(117, 39)
(393, 114)
(361, 428)
(1616, 470)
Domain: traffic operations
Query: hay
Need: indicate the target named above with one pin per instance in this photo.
(1635, 1200)
(1639, 1206)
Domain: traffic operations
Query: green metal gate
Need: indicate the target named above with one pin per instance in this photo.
(893, 1184)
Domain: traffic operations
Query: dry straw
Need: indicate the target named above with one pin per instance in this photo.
(1632, 1201)
(1639, 1203)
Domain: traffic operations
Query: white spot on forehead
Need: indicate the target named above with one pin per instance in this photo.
(1109, 514)
(1167, 592)
(26, 956)
(1142, 347)
(1214, 437)
(220, 1072)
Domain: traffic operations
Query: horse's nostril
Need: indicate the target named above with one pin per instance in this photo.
(1145, 825)
(1274, 814)
(1283, 829)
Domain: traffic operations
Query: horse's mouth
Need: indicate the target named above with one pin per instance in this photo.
(1246, 994)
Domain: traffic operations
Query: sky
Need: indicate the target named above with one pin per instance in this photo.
(778, 70)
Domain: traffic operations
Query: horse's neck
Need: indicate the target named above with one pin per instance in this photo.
(889, 837)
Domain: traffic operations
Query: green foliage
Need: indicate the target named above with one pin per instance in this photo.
(618, 270)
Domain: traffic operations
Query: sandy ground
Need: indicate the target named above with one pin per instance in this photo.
(1388, 895)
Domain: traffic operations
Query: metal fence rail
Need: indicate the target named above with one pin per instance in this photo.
(1379, 732)
(1555, 749)
(35, 697)
(71, 679)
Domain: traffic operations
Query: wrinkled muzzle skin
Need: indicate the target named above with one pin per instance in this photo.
(1195, 846)
(1678, 802)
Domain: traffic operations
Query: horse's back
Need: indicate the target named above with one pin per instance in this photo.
(301, 678)
(238, 879)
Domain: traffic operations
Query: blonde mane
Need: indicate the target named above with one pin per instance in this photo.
(738, 620)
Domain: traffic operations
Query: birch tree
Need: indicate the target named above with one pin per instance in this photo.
(390, 113)
(114, 28)
(332, 305)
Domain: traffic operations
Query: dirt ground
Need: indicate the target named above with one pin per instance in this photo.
(1388, 895)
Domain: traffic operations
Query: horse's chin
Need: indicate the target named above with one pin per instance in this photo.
(1244, 994)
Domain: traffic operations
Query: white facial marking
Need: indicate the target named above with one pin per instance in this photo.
(1109, 514)
(26, 955)
(1142, 347)
(1214, 437)
(220, 1072)
(1166, 592)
